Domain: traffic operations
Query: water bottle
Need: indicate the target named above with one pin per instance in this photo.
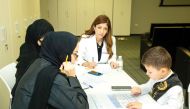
(189, 96)
(120, 62)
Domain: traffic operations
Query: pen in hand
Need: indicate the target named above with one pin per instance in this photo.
(89, 64)
(92, 64)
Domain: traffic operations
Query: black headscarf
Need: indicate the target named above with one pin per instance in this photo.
(55, 47)
(36, 31)
(29, 50)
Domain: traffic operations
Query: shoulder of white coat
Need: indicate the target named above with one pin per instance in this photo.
(113, 38)
(85, 39)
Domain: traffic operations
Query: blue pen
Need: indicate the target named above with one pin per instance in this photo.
(87, 85)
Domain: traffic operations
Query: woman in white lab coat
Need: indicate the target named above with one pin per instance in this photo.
(97, 45)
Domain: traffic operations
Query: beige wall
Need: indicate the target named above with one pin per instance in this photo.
(145, 12)
(44, 9)
(16, 15)
(4, 33)
(76, 16)
(49, 10)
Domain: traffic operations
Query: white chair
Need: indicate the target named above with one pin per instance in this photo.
(8, 74)
(188, 95)
(5, 94)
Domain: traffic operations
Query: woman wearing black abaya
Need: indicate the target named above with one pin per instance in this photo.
(44, 86)
(30, 49)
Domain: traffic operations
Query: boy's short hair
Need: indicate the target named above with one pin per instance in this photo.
(157, 57)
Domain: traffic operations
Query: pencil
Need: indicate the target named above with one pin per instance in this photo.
(66, 59)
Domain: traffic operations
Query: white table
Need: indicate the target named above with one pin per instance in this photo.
(100, 86)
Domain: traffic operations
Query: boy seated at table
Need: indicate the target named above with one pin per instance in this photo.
(164, 84)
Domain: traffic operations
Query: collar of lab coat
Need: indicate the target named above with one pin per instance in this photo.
(94, 47)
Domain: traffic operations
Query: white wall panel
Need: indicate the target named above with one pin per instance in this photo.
(121, 17)
(85, 15)
(67, 15)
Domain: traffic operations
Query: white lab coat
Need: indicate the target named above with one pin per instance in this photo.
(88, 50)
(172, 99)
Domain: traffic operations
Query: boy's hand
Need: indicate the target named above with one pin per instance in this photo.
(135, 91)
(134, 105)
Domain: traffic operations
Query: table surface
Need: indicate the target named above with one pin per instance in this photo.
(98, 88)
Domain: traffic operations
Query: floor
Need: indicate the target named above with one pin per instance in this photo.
(129, 48)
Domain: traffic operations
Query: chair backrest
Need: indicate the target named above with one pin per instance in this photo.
(189, 96)
(166, 25)
(5, 94)
(8, 73)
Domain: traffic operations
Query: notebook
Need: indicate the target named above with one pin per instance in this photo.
(115, 100)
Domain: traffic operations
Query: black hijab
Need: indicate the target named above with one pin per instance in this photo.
(36, 31)
(56, 46)
(29, 50)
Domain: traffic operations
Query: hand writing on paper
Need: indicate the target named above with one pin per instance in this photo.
(134, 105)
(90, 65)
(135, 91)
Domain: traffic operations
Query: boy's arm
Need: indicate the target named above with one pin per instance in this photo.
(147, 87)
(172, 99)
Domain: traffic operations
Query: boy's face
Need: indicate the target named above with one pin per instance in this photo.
(153, 73)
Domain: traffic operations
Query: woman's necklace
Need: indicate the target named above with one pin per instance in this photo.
(99, 42)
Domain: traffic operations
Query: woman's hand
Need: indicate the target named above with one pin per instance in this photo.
(114, 65)
(69, 69)
(90, 65)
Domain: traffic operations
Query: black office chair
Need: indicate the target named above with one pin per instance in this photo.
(182, 68)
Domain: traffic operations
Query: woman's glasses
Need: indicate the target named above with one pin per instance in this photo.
(75, 54)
